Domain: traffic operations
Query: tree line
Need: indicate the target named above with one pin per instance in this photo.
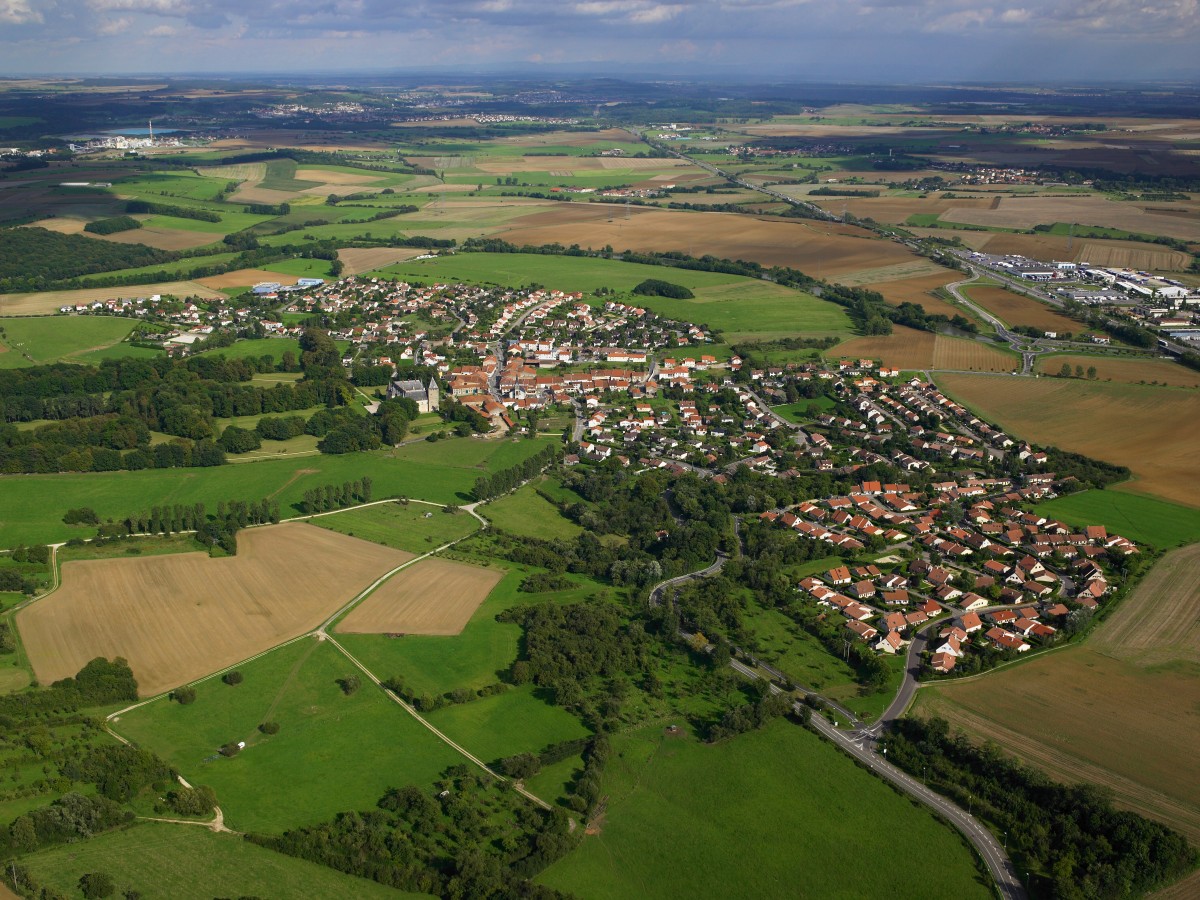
(333, 496)
(489, 486)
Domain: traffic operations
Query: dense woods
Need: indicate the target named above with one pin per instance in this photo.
(32, 259)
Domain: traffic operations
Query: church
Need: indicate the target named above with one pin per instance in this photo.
(427, 397)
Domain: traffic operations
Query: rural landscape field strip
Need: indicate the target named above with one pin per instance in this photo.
(435, 596)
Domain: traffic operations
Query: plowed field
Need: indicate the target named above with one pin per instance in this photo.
(177, 618)
(907, 348)
(435, 596)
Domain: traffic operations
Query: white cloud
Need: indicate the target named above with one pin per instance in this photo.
(18, 12)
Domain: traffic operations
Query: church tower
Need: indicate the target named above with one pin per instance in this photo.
(435, 395)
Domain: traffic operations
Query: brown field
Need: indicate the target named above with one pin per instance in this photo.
(434, 596)
(245, 278)
(1016, 309)
(310, 140)
(892, 210)
(920, 290)
(1128, 371)
(1160, 622)
(178, 618)
(568, 138)
(49, 301)
(364, 259)
(1152, 430)
(825, 249)
(914, 267)
(907, 348)
(440, 188)
(162, 238)
(254, 194)
(1025, 212)
(501, 165)
(330, 177)
(1120, 254)
(254, 172)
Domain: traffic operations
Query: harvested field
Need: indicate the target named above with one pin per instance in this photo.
(440, 188)
(963, 354)
(48, 302)
(912, 268)
(1160, 622)
(434, 596)
(1017, 309)
(907, 348)
(364, 259)
(1152, 430)
(254, 172)
(310, 140)
(568, 138)
(889, 210)
(1120, 254)
(1127, 371)
(178, 618)
(1026, 212)
(255, 194)
(826, 248)
(920, 290)
(500, 165)
(245, 278)
(162, 238)
(329, 176)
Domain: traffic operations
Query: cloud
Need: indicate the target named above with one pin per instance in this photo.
(18, 12)
(109, 27)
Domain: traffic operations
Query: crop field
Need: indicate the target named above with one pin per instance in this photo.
(909, 349)
(1141, 519)
(684, 818)
(333, 752)
(179, 617)
(1017, 309)
(528, 513)
(1153, 431)
(161, 861)
(31, 506)
(1128, 371)
(434, 596)
(47, 302)
(1121, 254)
(1026, 212)
(413, 527)
(920, 290)
(37, 341)
(364, 259)
(824, 249)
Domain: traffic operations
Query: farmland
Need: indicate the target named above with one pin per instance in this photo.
(434, 596)
(908, 349)
(1128, 371)
(414, 527)
(31, 507)
(37, 341)
(1017, 309)
(717, 799)
(300, 775)
(920, 290)
(1153, 431)
(194, 864)
(1139, 518)
(179, 617)
(1026, 212)
(1084, 713)
(527, 512)
(48, 302)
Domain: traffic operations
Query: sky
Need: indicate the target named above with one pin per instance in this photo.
(828, 40)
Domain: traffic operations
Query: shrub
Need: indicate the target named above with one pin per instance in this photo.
(84, 515)
(230, 749)
(184, 695)
(231, 678)
(269, 728)
(349, 684)
(97, 885)
(654, 287)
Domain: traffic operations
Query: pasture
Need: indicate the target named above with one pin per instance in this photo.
(159, 860)
(1141, 519)
(47, 339)
(177, 618)
(434, 596)
(1128, 371)
(1153, 431)
(413, 527)
(526, 512)
(31, 506)
(761, 815)
(1017, 309)
(333, 752)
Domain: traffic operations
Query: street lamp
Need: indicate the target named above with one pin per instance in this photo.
(1006, 842)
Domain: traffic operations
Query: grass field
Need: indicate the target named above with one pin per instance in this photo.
(1141, 519)
(179, 617)
(773, 813)
(169, 861)
(431, 597)
(528, 513)
(31, 506)
(1127, 371)
(333, 752)
(37, 341)
(1152, 430)
(402, 526)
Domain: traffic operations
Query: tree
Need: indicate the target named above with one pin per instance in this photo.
(97, 885)
(1091, 373)
(184, 695)
(349, 684)
(232, 678)
(1065, 371)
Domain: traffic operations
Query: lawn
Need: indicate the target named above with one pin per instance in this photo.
(333, 752)
(184, 863)
(32, 506)
(1144, 520)
(47, 339)
(414, 527)
(435, 665)
(526, 512)
(773, 813)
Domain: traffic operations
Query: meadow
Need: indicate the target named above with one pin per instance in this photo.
(47, 339)
(32, 506)
(415, 527)
(1143, 520)
(171, 861)
(526, 512)
(1152, 430)
(684, 818)
(333, 752)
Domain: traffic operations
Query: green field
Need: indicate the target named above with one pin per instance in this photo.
(32, 506)
(281, 176)
(774, 813)
(274, 347)
(173, 862)
(47, 339)
(404, 527)
(435, 665)
(1143, 520)
(333, 752)
(527, 513)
